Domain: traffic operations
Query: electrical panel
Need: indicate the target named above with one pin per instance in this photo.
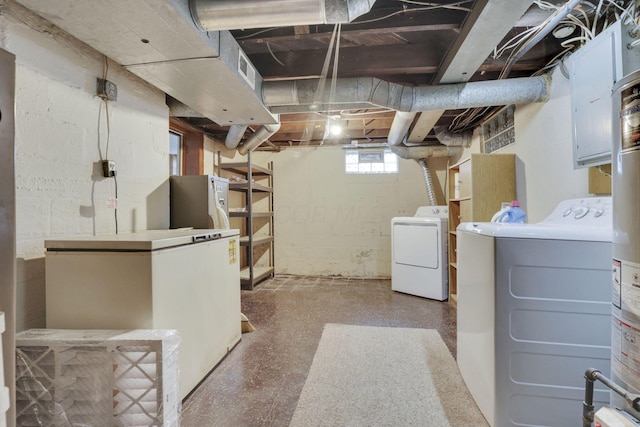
(594, 69)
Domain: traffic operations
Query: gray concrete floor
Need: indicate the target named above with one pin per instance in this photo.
(260, 381)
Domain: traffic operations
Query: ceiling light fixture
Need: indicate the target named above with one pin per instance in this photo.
(564, 30)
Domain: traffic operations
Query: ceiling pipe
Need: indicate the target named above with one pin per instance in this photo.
(217, 15)
(262, 134)
(300, 95)
(424, 152)
(400, 127)
(452, 139)
(234, 136)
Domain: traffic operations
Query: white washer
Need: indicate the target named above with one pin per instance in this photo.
(534, 307)
(419, 253)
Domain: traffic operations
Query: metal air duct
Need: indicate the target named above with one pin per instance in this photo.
(158, 41)
(400, 127)
(427, 180)
(366, 92)
(234, 136)
(216, 15)
(452, 139)
(258, 138)
(424, 152)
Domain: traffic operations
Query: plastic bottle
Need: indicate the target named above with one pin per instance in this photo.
(514, 214)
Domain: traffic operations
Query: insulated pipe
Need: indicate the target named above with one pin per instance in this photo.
(427, 180)
(424, 152)
(291, 95)
(258, 138)
(452, 139)
(217, 15)
(234, 136)
(399, 127)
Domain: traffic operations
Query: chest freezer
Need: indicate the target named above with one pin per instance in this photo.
(188, 280)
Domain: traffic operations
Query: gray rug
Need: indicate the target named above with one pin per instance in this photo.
(377, 376)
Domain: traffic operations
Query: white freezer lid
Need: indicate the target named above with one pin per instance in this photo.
(147, 240)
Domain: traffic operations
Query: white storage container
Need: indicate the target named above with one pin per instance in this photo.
(97, 378)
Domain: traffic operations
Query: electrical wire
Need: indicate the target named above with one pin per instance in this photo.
(115, 210)
(106, 151)
(105, 70)
(273, 55)
(406, 10)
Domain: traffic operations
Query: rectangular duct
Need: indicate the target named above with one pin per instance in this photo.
(158, 41)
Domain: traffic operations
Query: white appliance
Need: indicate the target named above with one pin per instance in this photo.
(534, 313)
(188, 280)
(625, 283)
(419, 253)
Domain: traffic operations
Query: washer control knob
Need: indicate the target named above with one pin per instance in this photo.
(598, 212)
(582, 212)
(567, 211)
(436, 211)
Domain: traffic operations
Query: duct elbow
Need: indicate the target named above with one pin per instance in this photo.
(264, 133)
(452, 139)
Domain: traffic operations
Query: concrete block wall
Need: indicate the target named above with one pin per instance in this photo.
(61, 136)
(332, 224)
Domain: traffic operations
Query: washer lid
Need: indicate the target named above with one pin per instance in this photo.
(539, 231)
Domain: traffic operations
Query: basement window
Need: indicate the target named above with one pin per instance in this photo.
(370, 161)
(175, 153)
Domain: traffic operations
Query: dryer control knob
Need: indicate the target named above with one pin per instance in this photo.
(567, 211)
(598, 213)
(436, 211)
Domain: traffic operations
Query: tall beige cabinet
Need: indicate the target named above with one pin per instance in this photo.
(478, 186)
(254, 214)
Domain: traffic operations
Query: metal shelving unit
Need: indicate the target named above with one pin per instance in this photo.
(259, 184)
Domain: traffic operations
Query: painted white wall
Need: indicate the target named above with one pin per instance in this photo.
(544, 153)
(544, 150)
(333, 224)
(61, 135)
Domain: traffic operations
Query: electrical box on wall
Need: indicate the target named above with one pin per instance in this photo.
(594, 69)
(107, 90)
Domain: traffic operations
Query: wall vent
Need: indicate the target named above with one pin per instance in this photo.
(246, 70)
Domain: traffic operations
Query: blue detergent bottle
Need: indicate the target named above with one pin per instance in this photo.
(514, 214)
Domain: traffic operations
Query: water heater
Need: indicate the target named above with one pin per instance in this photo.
(625, 345)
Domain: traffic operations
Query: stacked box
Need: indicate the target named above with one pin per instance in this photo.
(97, 378)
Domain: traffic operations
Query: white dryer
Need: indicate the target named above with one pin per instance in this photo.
(534, 312)
(419, 253)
